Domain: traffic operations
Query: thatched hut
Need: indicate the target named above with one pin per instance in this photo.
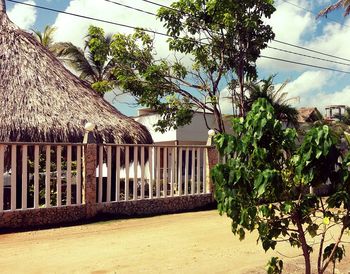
(42, 101)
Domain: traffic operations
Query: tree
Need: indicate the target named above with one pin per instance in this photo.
(345, 4)
(276, 97)
(46, 37)
(224, 40)
(93, 63)
(264, 185)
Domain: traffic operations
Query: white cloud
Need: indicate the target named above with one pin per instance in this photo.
(297, 26)
(323, 99)
(74, 29)
(308, 83)
(317, 89)
(23, 16)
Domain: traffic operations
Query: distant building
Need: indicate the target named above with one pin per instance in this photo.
(335, 112)
(195, 133)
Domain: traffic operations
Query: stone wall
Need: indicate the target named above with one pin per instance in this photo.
(43, 217)
(156, 206)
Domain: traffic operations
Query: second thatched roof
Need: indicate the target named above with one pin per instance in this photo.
(41, 101)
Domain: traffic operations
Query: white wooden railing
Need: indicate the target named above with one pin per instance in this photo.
(45, 175)
(136, 172)
(40, 175)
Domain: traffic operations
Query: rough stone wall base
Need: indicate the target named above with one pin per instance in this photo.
(42, 217)
(156, 206)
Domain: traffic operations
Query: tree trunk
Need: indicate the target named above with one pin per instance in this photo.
(240, 76)
(218, 120)
(304, 245)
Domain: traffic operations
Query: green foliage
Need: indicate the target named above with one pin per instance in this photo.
(46, 37)
(275, 266)
(234, 37)
(93, 63)
(263, 184)
(275, 96)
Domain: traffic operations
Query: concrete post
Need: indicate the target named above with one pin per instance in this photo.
(90, 161)
(212, 160)
(89, 171)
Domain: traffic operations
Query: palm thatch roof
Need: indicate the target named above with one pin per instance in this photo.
(42, 101)
(309, 115)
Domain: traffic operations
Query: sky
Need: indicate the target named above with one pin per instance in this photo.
(294, 22)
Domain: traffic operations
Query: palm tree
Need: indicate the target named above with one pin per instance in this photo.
(345, 4)
(93, 64)
(46, 37)
(277, 98)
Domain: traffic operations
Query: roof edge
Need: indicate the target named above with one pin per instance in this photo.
(2, 7)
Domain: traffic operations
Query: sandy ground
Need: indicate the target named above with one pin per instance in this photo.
(199, 242)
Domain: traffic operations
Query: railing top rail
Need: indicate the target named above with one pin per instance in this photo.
(158, 145)
(104, 144)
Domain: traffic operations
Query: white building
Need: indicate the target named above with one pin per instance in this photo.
(195, 133)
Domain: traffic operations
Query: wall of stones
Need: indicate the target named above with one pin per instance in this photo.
(41, 217)
(44, 217)
(156, 206)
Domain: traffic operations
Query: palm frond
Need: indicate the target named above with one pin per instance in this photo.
(339, 4)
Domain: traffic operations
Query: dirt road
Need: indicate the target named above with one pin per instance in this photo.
(199, 242)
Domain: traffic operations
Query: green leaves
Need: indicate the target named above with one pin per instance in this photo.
(338, 254)
(264, 183)
(317, 157)
(274, 266)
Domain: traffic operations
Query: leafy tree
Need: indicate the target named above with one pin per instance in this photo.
(345, 4)
(264, 185)
(276, 97)
(93, 63)
(224, 39)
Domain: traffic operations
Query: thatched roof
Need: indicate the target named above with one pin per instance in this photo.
(309, 115)
(40, 100)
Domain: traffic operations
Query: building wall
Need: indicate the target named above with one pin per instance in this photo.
(148, 121)
(195, 133)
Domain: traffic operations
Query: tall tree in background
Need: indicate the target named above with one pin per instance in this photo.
(223, 38)
(93, 63)
(46, 37)
(276, 97)
(345, 4)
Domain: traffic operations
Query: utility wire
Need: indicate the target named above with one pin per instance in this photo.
(130, 7)
(275, 40)
(162, 34)
(315, 13)
(160, 5)
(304, 64)
(88, 17)
(308, 56)
(311, 50)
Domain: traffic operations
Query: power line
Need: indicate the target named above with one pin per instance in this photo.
(315, 13)
(311, 50)
(130, 7)
(87, 17)
(166, 35)
(275, 40)
(304, 64)
(308, 56)
(160, 5)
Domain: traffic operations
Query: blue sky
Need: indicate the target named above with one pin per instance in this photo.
(295, 25)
